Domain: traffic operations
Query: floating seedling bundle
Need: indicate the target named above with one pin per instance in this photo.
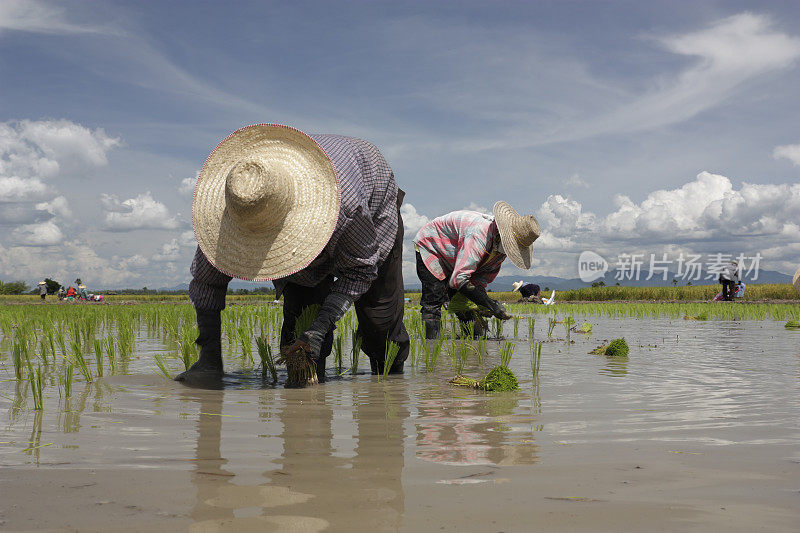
(616, 348)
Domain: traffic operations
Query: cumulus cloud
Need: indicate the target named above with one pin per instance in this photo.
(16, 189)
(58, 206)
(142, 212)
(42, 234)
(170, 251)
(788, 151)
(412, 221)
(186, 186)
(38, 149)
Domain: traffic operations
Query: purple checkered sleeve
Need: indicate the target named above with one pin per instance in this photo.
(362, 239)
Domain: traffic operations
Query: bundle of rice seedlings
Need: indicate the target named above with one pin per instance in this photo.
(498, 379)
(301, 368)
(267, 362)
(585, 328)
(792, 324)
(616, 348)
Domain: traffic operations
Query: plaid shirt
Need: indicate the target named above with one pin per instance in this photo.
(362, 239)
(460, 246)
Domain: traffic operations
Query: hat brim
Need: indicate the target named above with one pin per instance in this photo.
(521, 256)
(292, 244)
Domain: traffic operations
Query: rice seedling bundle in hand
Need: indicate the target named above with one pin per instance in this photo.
(301, 368)
(616, 348)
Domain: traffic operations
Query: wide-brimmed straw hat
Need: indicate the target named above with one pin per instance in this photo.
(43, 282)
(265, 203)
(796, 280)
(517, 233)
(516, 285)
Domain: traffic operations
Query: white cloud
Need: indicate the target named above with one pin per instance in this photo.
(38, 17)
(58, 206)
(788, 151)
(576, 181)
(412, 221)
(479, 208)
(170, 252)
(142, 212)
(41, 234)
(63, 139)
(16, 189)
(188, 240)
(186, 187)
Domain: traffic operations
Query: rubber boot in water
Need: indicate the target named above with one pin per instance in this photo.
(208, 368)
(432, 327)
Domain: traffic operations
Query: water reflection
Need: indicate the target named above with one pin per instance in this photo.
(313, 486)
(475, 429)
(615, 367)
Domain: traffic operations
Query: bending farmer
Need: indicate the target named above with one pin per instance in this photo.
(463, 251)
(319, 215)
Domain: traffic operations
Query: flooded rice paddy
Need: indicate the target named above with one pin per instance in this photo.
(697, 430)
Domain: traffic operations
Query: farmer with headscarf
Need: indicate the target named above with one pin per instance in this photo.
(462, 252)
(317, 214)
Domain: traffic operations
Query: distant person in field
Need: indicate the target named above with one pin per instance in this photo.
(729, 278)
(528, 291)
(42, 289)
(320, 216)
(462, 252)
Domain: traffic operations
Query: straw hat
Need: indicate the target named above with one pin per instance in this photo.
(796, 279)
(265, 203)
(516, 285)
(43, 282)
(517, 233)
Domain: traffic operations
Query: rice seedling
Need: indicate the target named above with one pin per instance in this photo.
(65, 380)
(568, 323)
(516, 325)
(481, 349)
(161, 364)
(188, 348)
(355, 351)
(536, 357)
(462, 355)
(17, 359)
(497, 327)
(37, 386)
(78, 360)
(111, 353)
(98, 356)
(792, 324)
(616, 348)
(389, 355)
(267, 362)
(244, 341)
(433, 348)
(551, 324)
(506, 351)
(531, 324)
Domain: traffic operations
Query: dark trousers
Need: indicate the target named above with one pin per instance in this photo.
(379, 310)
(728, 288)
(435, 292)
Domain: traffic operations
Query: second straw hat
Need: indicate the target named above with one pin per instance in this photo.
(266, 202)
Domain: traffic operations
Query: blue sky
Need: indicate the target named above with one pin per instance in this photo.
(652, 127)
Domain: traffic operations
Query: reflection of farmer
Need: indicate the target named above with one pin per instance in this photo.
(42, 289)
(729, 277)
(528, 291)
(463, 251)
(320, 216)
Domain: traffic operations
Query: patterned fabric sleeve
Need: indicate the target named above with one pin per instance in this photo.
(356, 256)
(208, 286)
(470, 255)
(489, 270)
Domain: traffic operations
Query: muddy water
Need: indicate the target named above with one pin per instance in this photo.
(696, 431)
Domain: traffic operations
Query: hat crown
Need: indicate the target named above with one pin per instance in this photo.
(258, 195)
(526, 229)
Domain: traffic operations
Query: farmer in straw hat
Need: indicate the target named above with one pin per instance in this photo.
(317, 214)
(43, 289)
(462, 252)
(528, 291)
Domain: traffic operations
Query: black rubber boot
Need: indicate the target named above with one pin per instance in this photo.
(432, 327)
(208, 367)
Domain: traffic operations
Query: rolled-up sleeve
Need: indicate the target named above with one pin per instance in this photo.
(208, 286)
